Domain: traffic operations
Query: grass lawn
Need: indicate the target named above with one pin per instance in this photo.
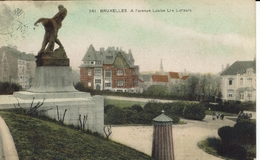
(123, 103)
(39, 139)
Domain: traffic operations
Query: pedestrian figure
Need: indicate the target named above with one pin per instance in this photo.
(222, 116)
(217, 115)
(213, 116)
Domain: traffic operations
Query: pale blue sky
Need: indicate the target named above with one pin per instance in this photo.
(213, 34)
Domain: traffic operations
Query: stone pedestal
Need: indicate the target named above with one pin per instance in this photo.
(52, 79)
(53, 85)
(78, 104)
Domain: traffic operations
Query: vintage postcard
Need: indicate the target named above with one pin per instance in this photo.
(158, 39)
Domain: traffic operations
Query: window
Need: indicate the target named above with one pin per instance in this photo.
(241, 81)
(119, 72)
(107, 73)
(125, 83)
(249, 94)
(120, 83)
(98, 81)
(241, 96)
(230, 93)
(135, 82)
(89, 72)
(249, 82)
(98, 72)
(89, 82)
(107, 84)
(230, 81)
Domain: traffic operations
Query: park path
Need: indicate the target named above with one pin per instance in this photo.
(185, 137)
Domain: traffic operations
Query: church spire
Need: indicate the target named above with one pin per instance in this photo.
(161, 67)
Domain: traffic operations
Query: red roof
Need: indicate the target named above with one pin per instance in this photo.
(140, 80)
(185, 77)
(174, 74)
(160, 78)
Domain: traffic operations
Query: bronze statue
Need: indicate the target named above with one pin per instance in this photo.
(52, 26)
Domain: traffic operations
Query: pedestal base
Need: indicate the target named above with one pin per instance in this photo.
(52, 79)
(76, 104)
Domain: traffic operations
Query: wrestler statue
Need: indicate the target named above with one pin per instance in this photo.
(52, 26)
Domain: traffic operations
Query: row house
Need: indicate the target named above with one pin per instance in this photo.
(16, 67)
(239, 81)
(111, 69)
(162, 78)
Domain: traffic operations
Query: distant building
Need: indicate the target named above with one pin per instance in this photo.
(239, 81)
(110, 69)
(164, 78)
(17, 67)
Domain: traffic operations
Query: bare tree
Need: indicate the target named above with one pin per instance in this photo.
(107, 130)
(59, 115)
(32, 109)
(82, 123)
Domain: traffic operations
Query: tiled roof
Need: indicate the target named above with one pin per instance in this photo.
(174, 74)
(239, 67)
(160, 78)
(184, 77)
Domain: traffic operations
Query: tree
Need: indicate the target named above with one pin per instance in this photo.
(192, 85)
(157, 90)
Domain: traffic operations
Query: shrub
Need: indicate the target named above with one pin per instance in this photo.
(9, 87)
(176, 108)
(226, 134)
(137, 107)
(233, 150)
(115, 115)
(245, 132)
(107, 107)
(194, 111)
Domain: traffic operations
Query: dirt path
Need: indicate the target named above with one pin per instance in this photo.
(185, 137)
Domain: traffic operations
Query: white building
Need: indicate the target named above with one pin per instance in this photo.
(239, 81)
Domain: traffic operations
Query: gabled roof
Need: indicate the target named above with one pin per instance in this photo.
(90, 54)
(239, 67)
(159, 78)
(184, 77)
(174, 75)
(107, 56)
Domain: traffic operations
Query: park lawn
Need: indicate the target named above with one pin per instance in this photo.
(40, 139)
(123, 103)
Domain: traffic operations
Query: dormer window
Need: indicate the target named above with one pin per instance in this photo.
(230, 81)
(249, 71)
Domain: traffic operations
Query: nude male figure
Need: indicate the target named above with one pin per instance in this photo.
(52, 26)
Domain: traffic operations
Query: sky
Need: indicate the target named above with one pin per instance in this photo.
(198, 36)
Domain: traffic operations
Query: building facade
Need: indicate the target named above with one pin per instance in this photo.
(16, 67)
(238, 82)
(111, 69)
